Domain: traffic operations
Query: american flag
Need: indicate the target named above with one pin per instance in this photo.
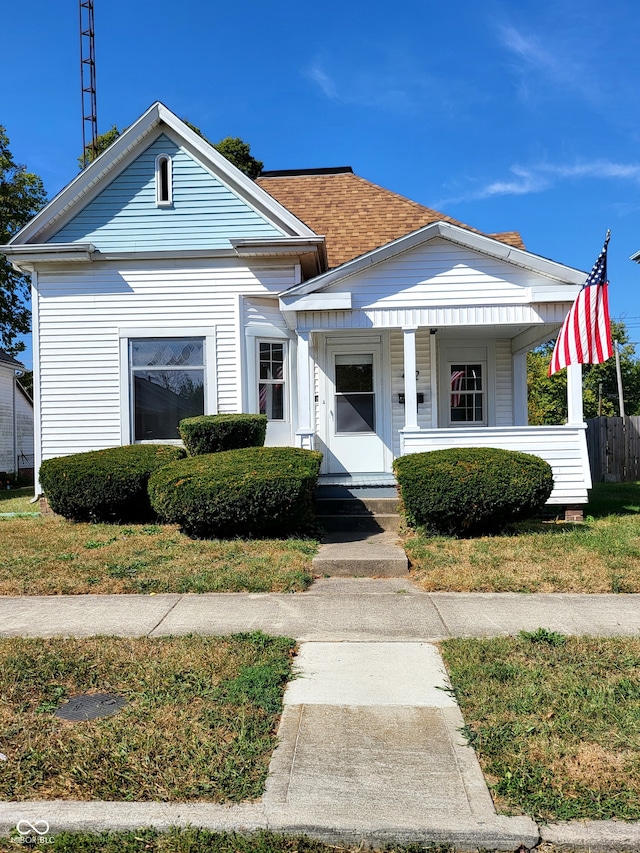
(457, 377)
(585, 337)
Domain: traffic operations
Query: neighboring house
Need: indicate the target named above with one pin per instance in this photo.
(167, 283)
(16, 419)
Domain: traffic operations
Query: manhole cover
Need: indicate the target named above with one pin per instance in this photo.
(90, 706)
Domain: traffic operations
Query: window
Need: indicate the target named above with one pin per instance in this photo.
(355, 399)
(466, 394)
(271, 379)
(164, 194)
(167, 384)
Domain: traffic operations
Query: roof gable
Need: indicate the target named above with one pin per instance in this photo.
(130, 147)
(205, 213)
(434, 261)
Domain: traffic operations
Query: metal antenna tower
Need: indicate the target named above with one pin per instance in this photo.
(88, 82)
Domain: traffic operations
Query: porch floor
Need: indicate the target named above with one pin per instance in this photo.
(357, 480)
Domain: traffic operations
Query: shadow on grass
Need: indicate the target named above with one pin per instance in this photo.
(613, 499)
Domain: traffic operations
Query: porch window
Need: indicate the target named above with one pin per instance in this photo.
(271, 383)
(167, 384)
(466, 394)
(355, 398)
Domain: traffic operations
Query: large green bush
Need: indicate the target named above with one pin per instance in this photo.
(215, 433)
(471, 490)
(251, 492)
(105, 485)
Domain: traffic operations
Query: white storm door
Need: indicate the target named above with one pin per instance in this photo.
(354, 410)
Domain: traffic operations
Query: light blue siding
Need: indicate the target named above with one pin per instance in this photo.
(205, 214)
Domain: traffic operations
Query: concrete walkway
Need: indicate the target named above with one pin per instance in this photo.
(370, 746)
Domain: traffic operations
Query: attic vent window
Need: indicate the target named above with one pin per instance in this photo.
(164, 195)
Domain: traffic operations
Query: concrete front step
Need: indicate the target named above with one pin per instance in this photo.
(361, 510)
(354, 554)
(359, 522)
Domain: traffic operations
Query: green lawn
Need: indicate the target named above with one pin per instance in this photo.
(199, 722)
(555, 722)
(49, 555)
(600, 555)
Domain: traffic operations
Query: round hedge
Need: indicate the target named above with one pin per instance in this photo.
(472, 490)
(105, 485)
(215, 433)
(251, 492)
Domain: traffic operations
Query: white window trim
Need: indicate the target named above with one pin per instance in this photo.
(286, 380)
(470, 352)
(164, 202)
(126, 392)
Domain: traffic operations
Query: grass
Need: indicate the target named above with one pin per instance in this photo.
(555, 722)
(199, 723)
(49, 555)
(193, 840)
(196, 840)
(18, 501)
(600, 555)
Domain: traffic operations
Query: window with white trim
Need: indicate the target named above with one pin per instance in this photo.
(167, 384)
(272, 387)
(467, 394)
(164, 181)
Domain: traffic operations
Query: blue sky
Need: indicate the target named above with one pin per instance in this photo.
(505, 115)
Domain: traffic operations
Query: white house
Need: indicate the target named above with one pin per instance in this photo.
(16, 419)
(167, 283)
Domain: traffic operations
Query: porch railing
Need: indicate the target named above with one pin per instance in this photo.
(563, 447)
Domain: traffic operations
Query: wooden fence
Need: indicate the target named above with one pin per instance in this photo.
(614, 449)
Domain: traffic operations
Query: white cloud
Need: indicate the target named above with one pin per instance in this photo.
(524, 180)
(550, 65)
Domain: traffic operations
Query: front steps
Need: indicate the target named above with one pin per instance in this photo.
(361, 524)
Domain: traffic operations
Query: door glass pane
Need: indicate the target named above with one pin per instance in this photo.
(354, 373)
(162, 398)
(355, 413)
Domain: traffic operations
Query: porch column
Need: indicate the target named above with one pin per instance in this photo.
(520, 407)
(433, 379)
(410, 379)
(574, 394)
(305, 431)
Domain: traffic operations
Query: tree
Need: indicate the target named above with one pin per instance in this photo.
(239, 153)
(22, 195)
(547, 395)
(231, 147)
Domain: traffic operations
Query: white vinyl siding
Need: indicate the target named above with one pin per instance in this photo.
(81, 312)
(7, 450)
(504, 384)
(204, 214)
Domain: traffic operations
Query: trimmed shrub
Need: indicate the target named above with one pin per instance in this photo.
(472, 490)
(215, 433)
(105, 485)
(251, 492)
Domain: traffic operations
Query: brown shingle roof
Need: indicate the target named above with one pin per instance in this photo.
(355, 215)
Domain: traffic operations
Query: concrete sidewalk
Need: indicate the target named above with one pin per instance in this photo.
(333, 609)
(370, 745)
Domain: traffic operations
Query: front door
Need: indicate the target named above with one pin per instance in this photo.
(355, 423)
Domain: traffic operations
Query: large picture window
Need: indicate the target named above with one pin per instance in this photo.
(272, 398)
(466, 394)
(167, 384)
